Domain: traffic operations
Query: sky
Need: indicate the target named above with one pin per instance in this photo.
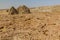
(30, 3)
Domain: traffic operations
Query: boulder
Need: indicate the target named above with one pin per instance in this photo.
(12, 11)
(23, 9)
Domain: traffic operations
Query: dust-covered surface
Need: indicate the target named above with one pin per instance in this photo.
(33, 26)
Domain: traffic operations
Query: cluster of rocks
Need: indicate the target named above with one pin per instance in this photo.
(20, 9)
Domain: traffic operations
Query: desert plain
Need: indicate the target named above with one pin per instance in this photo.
(40, 23)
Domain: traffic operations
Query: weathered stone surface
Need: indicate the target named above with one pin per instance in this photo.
(12, 11)
(23, 9)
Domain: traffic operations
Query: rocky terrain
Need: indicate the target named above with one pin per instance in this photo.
(41, 23)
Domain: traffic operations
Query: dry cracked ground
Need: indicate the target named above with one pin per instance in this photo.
(34, 26)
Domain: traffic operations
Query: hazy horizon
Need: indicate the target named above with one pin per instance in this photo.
(30, 3)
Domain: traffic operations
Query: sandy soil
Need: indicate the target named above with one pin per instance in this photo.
(34, 26)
